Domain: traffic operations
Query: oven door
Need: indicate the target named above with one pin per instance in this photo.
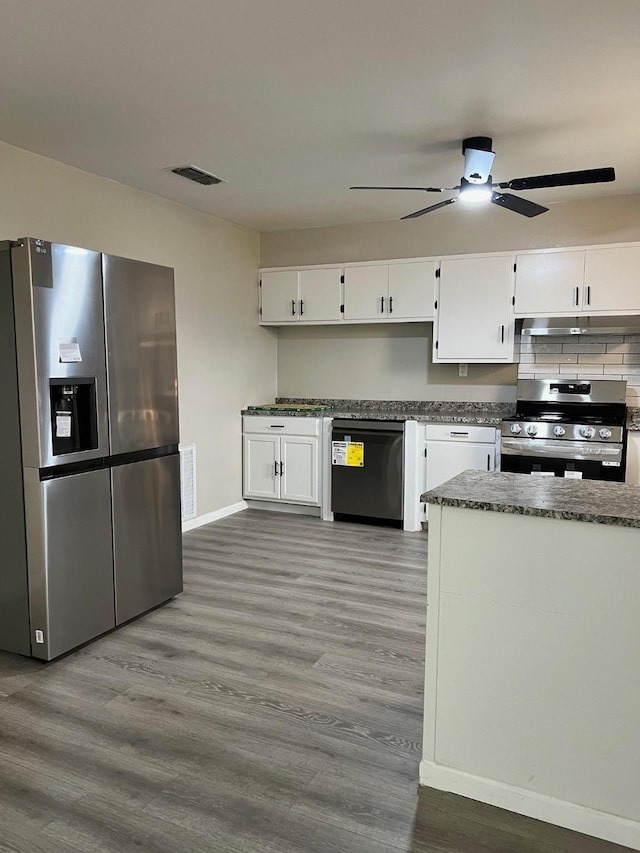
(581, 459)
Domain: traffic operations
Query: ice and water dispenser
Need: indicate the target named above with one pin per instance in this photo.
(74, 417)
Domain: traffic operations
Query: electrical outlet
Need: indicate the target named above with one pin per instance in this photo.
(463, 369)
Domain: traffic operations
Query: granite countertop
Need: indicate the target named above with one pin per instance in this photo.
(552, 497)
(436, 411)
(633, 418)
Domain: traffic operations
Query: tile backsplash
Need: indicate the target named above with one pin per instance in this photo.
(583, 357)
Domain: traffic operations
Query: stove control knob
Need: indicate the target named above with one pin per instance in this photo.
(605, 433)
(516, 428)
(587, 431)
(532, 429)
(559, 430)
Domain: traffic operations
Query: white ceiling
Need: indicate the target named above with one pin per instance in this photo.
(292, 101)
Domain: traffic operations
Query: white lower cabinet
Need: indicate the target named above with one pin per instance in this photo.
(281, 459)
(454, 448)
(299, 480)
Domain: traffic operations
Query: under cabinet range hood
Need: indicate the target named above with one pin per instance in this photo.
(548, 326)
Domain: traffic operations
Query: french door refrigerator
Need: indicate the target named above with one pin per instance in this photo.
(90, 532)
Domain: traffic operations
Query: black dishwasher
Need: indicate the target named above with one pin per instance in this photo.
(367, 470)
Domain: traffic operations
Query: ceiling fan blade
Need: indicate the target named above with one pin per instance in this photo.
(422, 189)
(518, 205)
(561, 179)
(429, 209)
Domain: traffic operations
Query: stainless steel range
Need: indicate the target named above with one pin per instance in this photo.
(567, 429)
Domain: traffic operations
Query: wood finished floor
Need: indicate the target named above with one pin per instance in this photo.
(274, 707)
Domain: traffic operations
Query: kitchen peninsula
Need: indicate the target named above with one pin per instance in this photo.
(532, 697)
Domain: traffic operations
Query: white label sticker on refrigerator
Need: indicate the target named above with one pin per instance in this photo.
(338, 452)
(69, 352)
(63, 425)
(573, 475)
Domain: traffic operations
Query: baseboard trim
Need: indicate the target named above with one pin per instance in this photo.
(216, 515)
(293, 509)
(602, 825)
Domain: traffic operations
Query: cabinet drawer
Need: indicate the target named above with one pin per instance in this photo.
(461, 432)
(281, 426)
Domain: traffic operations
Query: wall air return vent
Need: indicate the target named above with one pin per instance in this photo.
(193, 173)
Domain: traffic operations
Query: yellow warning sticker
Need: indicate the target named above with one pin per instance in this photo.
(355, 454)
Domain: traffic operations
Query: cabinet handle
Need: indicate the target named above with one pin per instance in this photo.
(293, 307)
(276, 469)
(588, 294)
(281, 468)
(458, 433)
(391, 305)
(488, 462)
(276, 426)
(382, 304)
(577, 302)
(301, 307)
(502, 334)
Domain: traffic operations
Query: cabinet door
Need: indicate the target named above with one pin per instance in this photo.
(474, 320)
(411, 290)
(633, 458)
(260, 460)
(445, 459)
(320, 294)
(612, 279)
(300, 473)
(279, 300)
(366, 292)
(549, 283)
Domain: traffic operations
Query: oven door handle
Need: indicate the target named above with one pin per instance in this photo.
(574, 450)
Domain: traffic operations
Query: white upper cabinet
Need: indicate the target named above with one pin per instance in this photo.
(320, 295)
(412, 290)
(582, 281)
(549, 283)
(612, 280)
(474, 319)
(366, 291)
(279, 297)
(395, 291)
(308, 296)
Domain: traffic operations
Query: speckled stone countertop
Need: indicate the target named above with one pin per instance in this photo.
(633, 418)
(552, 497)
(432, 411)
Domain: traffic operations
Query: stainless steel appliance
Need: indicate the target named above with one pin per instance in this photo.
(367, 470)
(567, 429)
(90, 531)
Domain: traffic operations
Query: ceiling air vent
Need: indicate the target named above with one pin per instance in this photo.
(193, 173)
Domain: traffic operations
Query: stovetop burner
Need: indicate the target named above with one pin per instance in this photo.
(568, 418)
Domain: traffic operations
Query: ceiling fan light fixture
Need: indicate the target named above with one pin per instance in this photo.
(475, 193)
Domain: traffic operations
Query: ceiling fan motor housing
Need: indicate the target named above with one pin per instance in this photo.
(478, 159)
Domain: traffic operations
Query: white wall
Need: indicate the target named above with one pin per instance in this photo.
(383, 362)
(225, 359)
(458, 230)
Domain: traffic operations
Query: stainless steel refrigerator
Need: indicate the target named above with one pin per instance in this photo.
(90, 532)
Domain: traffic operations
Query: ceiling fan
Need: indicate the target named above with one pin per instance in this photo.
(477, 184)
